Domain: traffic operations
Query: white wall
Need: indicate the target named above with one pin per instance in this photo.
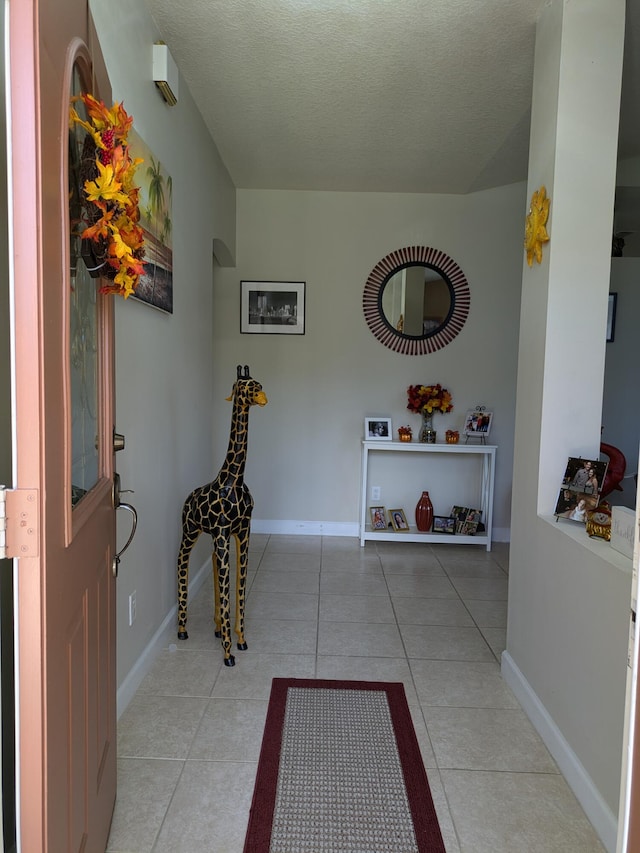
(568, 598)
(304, 447)
(164, 362)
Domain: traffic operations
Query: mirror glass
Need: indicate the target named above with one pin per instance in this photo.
(416, 300)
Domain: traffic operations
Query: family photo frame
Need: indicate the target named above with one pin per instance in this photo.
(477, 423)
(272, 307)
(580, 488)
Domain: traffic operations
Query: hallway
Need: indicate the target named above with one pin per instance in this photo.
(433, 617)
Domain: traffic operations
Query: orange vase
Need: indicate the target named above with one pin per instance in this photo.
(424, 513)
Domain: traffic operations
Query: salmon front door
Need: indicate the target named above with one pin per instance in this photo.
(63, 392)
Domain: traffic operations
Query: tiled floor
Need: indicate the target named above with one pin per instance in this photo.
(431, 617)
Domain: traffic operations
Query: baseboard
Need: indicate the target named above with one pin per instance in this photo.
(305, 528)
(142, 666)
(602, 818)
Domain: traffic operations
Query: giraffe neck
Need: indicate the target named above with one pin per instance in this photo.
(232, 470)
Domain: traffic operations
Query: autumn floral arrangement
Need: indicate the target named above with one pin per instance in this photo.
(427, 399)
(405, 433)
(111, 211)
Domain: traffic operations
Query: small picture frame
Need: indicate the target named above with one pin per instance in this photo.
(444, 524)
(272, 307)
(398, 520)
(584, 475)
(378, 429)
(477, 423)
(611, 316)
(467, 519)
(378, 517)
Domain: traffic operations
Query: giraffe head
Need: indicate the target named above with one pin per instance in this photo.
(247, 391)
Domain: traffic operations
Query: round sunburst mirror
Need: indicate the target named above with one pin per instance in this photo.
(416, 300)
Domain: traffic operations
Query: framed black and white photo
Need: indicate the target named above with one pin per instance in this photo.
(378, 429)
(611, 316)
(272, 307)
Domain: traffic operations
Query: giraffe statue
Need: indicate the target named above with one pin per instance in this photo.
(223, 509)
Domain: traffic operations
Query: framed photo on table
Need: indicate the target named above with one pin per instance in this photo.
(272, 307)
(444, 524)
(398, 520)
(378, 517)
(378, 429)
(478, 423)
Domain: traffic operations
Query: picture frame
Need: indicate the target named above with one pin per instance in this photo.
(378, 517)
(378, 429)
(272, 307)
(477, 422)
(580, 488)
(398, 520)
(611, 317)
(584, 475)
(444, 524)
(467, 520)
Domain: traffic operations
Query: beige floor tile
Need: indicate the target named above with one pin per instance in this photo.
(497, 639)
(353, 583)
(230, 730)
(281, 605)
(487, 739)
(369, 564)
(438, 642)
(183, 672)
(343, 667)
(145, 788)
(431, 611)
(281, 636)
(290, 562)
(356, 608)
(366, 639)
(517, 813)
(210, 808)
(159, 726)
(286, 581)
(488, 614)
(421, 587)
(461, 684)
(481, 589)
(278, 544)
(445, 820)
(251, 677)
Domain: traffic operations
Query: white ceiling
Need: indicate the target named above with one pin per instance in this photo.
(404, 96)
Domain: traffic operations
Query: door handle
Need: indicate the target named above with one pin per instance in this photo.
(117, 503)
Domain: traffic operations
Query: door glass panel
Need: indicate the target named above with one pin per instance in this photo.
(83, 331)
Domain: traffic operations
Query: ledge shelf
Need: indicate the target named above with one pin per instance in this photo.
(482, 454)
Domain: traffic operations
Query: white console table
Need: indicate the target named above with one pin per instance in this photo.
(483, 455)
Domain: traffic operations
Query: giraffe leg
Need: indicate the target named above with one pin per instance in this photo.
(221, 547)
(189, 538)
(216, 596)
(242, 560)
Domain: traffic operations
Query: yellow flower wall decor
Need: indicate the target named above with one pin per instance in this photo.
(111, 211)
(535, 233)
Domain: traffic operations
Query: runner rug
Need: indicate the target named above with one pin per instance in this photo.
(340, 771)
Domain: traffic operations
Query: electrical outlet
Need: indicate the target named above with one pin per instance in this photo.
(375, 493)
(132, 608)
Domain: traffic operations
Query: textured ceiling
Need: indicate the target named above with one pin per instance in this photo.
(362, 95)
